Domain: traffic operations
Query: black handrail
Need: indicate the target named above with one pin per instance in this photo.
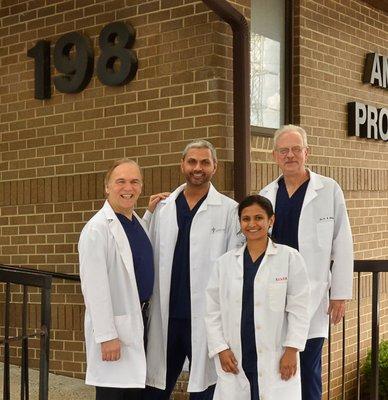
(35, 278)
(38, 278)
(375, 267)
(53, 275)
(26, 279)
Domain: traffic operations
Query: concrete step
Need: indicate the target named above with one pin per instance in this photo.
(60, 387)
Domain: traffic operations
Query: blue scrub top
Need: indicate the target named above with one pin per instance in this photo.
(142, 255)
(287, 214)
(248, 342)
(180, 304)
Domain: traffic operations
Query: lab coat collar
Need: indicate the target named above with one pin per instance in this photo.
(213, 196)
(311, 192)
(111, 216)
(271, 249)
(239, 253)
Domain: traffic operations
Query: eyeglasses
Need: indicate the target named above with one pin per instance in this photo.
(296, 150)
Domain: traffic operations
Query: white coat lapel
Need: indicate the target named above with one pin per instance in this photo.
(168, 219)
(213, 198)
(271, 249)
(311, 191)
(271, 190)
(143, 224)
(121, 240)
(240, 261)
(168, 233)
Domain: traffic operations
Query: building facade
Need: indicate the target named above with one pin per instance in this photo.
(54, 151)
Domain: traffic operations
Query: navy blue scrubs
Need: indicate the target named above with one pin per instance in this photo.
(287, 214)
(248, 341)
(180, 304)
(285, 231)
(179, 324)
(142, 255)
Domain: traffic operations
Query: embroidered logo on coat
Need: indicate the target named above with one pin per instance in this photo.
(281, 279)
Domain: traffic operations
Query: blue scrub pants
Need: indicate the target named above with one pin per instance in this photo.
(112, 393)
(254, 384)
(311, 369)
(178, 348)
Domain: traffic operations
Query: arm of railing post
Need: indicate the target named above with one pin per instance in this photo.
(358, 334)
(375, 335)
(343, 358)
(329, 363)
(6, 382)
(24, 385)
(45, 343)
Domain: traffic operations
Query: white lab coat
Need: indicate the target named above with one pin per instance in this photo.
(112, 302)
(281, 315)
(214, 230)
(324, 236)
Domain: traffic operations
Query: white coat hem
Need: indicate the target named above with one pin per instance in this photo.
(134, 385)
(314, 335)
(157, 385)
(196, 389)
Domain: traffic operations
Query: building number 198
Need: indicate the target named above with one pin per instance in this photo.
(74, 59)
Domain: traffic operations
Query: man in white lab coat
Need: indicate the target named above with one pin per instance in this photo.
(311, 216)
(116, 270)
(189, 230)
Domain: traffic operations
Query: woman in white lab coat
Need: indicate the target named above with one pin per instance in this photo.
(257, 313)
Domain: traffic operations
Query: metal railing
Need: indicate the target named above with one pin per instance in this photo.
(27, 277)
(43, 280)
(374, 267)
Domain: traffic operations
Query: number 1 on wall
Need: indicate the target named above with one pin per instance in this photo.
(41, 54)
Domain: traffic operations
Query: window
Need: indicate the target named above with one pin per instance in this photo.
(268, 65)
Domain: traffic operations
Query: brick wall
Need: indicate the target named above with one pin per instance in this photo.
(53, 153)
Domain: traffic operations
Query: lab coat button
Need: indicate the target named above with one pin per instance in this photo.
(258, 327)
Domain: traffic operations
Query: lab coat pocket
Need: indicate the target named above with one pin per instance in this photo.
(287, 390)
(325, 231)
(277, 293)
(281, 389)
(230, 386)
(125, 329)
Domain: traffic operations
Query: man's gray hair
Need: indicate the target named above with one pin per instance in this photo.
(200, 144)
(116, 164)
(290, 128)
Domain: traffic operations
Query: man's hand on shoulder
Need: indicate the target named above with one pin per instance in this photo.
(154, 200)
(110, 350)
(336, 310)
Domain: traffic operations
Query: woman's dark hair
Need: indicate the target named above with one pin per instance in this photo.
(261, 201)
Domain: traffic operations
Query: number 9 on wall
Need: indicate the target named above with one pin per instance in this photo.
(74, 60)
